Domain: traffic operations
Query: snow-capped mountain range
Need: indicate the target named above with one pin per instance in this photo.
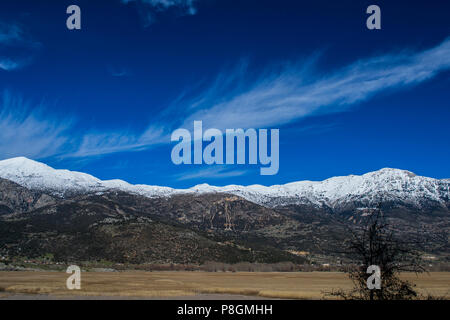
(337, 193)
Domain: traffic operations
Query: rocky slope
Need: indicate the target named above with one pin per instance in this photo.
(15, 198)
(126, 228)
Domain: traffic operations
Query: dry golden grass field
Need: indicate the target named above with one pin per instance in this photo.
(298, 285)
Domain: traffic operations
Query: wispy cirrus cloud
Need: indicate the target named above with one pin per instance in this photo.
(102, 143)
(286, 94)
(150, 9)
(278, 96)
(30, 130)
(11, 34)
(216, 172)
(118, 72)
(17, 48)
(7, 64)
(238, 99)
(27, 130)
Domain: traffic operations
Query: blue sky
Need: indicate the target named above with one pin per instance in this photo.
(347, 100)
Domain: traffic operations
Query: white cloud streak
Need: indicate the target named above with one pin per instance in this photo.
(216, 172)
(11, 34)
(8, 64)
(290, 93)
(234, 100)
(26, 131)
(148, 9)
(18, 48)
(102, 143)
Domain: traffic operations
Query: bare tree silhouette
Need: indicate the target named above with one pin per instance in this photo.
(372, 241)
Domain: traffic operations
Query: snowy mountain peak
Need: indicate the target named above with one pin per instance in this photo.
(337, 193)
(24, 164)
(392, 172)
(38, 176)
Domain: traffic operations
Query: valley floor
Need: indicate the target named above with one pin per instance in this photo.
(194, 285)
